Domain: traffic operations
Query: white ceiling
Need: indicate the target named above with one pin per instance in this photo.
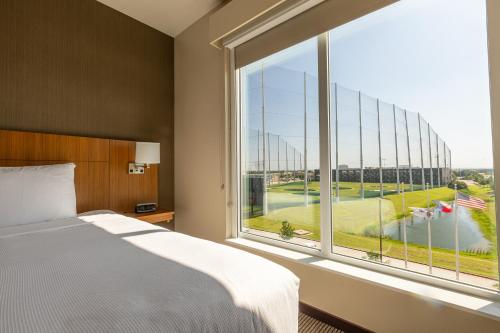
(168, 16)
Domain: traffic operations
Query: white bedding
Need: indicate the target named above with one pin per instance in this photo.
(103, 272)
(36, 193)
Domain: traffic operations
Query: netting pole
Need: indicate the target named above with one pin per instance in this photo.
(361, 167)
(337, 173)
(398, 188)
(409, 152)
(306, 190)
(258, 151)
(421, 151)
(264, 185)
(381, 176)
(269, 158)
(279, 168)
(430, 155)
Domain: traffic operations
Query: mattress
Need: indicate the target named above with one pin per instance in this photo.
(104, 272)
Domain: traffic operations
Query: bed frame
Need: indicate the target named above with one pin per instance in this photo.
(101, 174)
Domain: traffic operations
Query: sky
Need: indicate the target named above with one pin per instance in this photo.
(426, 56)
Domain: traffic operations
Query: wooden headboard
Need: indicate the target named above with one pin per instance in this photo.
(101, 174)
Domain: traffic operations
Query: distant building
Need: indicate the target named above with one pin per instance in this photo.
(440, 176)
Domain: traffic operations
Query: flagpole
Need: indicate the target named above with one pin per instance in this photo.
(429, 235)
(457, 253)
(306, 189)
(404, 225)
(279, 169)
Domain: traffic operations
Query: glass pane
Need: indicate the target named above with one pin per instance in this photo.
(280, 146)
(395, 119)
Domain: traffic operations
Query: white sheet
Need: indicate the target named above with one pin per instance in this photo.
(103, 272)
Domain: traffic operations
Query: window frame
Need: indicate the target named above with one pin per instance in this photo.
(233, 179)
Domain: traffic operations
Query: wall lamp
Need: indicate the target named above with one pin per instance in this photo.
(146, 153)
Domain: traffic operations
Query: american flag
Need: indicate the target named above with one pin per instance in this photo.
(470, 201)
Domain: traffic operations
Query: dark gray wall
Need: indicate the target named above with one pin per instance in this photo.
(79, 67)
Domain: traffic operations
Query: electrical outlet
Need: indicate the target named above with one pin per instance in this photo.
(134, 169)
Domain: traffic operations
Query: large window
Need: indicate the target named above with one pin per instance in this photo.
(410, 179)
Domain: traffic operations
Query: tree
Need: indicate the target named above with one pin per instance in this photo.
(286, 231)
(460, 185)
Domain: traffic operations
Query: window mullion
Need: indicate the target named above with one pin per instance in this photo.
(324, 145)
(233, 150)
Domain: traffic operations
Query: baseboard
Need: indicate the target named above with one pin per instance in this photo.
(330, 319)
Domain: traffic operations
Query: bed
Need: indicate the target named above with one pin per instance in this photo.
(68, 265)
(104, 272)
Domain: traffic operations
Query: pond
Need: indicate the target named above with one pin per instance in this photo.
(443, 231)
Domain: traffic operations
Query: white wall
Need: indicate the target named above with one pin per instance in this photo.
(200, 201)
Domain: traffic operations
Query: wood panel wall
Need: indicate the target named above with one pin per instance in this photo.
(78, 67)
(101, 174)
(128, 190)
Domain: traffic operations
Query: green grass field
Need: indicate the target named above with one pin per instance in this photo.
(486, 219)
(352, 217)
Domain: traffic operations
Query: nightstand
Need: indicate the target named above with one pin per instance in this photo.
(158, 216)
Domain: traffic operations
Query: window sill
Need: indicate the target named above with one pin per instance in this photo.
(462, 301)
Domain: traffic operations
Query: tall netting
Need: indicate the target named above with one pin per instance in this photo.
(370, 156)
(389, 163)
(380, 154)
(416, 160)
(426, 153)
(355, 145)
(348, 127)
(312, 139)
(379, 151)
(436, 177)
(442, 162)
(402, 147)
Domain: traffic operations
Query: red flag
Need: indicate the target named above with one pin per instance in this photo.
(445, 207)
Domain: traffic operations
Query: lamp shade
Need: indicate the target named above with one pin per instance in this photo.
(147, 153)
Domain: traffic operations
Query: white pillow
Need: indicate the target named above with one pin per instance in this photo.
(37, 193)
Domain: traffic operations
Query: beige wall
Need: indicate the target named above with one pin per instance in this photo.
(379, 308)
(200, 205)
(78, 67)
(236, 13)
(493, 7)
(199, 134)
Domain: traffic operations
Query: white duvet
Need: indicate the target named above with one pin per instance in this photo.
(103, 272)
